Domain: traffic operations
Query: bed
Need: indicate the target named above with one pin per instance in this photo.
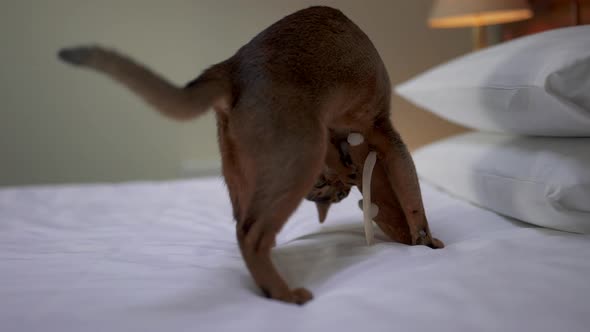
(162, 256)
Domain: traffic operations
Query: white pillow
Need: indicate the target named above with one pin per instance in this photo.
(535, 85)
(540, 180)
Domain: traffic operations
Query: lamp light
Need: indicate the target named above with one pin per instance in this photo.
(477, 14)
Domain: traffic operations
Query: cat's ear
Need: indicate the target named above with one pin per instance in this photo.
(323, 208)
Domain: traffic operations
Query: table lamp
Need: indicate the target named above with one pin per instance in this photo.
(477, 14)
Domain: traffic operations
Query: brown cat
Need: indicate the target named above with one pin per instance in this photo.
(285, 103)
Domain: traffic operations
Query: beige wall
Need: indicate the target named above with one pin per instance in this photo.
(62, 125)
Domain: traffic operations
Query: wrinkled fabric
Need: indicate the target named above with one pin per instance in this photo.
(163, 257)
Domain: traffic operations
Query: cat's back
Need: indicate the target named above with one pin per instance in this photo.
(314, 46)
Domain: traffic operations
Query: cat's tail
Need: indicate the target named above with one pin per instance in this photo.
(210, 90)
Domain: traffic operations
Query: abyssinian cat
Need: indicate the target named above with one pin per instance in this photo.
(284, 104)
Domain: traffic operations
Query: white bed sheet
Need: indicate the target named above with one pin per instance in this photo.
(163, 257)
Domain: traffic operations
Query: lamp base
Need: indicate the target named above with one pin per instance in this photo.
(480, 37)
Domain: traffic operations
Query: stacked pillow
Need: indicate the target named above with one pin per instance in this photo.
(529, 99)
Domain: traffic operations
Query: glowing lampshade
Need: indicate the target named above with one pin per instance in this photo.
(470, 13)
